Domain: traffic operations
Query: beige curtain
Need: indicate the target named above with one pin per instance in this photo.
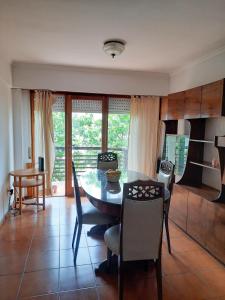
(143, 137)
(44, 133)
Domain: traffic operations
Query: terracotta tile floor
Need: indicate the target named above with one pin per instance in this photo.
(36, 262)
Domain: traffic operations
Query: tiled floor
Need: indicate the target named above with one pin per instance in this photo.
(36, 262)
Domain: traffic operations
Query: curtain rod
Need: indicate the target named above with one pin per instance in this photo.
(75, 93)
(83, 93)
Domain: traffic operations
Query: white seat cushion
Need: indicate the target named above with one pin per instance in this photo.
(92, 215)
(112, 239)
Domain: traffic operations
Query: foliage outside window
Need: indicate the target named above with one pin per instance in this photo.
(86, 132)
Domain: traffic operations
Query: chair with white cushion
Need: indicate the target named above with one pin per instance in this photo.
(139, 237)
(107, 160)
(86, 214)
(166, 175)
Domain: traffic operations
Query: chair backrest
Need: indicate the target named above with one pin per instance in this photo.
(107, 160)
(166, 174)
(141, 220)
(77, 194)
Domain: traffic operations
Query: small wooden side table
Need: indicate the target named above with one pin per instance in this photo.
(29, 178)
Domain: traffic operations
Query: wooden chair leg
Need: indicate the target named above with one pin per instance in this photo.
(167, 232)
(43, 182)
(20, 196)
(37, 190)
(77, 243)
(109, 259)
(121, 280)
(159, 278)
(15, 198)
(74, 232)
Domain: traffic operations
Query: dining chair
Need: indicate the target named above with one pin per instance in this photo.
(107, 160)
(86, 214)
(166, 175)
(139, 236)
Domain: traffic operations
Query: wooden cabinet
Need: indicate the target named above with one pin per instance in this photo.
(178, 206)
(164, 108)
(212, 99)
(175, 109)
(201, 102)
(192, 103)
(202, 219)
(215, 242)
(197, 223)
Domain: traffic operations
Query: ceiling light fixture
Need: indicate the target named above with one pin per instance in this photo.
(114, 47)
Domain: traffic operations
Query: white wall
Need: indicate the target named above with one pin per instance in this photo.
(6, 132)
(198, 73)
(62, 78)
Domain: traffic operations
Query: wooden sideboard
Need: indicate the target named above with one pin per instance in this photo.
(195, 207)
(201, 102)
(202, 219)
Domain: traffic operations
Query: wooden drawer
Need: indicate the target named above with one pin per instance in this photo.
(197, 223)
(178, 206)
(192, 103)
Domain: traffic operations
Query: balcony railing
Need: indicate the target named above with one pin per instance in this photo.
(85, 158)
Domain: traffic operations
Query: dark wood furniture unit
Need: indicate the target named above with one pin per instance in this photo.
(213, 100)
(178, 206)
(175, 110)
(192, 175)
(194, 212)
(164, 108)
(196, 208)
(215, 238)
(171, 127)
(201, 102)
(192, 103)
(196, 225)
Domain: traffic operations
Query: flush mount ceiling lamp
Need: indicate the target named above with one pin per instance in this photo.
(114, 47)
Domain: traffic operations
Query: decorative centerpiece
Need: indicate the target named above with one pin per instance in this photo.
(113, 175)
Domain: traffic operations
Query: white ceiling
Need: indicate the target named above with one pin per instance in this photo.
(161, 35)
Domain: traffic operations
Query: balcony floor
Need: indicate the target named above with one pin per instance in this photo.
(36, 262)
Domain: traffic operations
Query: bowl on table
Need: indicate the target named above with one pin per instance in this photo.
(113, 175)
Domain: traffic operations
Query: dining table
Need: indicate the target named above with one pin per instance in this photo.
(107, 196)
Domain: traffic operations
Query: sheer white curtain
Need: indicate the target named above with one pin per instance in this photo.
(44, 133)
(143, 136)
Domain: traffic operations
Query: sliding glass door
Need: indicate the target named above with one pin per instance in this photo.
(84, 126)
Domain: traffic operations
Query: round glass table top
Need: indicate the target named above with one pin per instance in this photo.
(95, 185)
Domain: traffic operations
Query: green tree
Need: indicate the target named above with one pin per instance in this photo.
(86, 132)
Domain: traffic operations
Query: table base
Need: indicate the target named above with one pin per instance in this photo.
(98, 230)
(105, 268)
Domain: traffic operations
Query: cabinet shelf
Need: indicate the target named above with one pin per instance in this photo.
(204, 164)
(202, 141)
